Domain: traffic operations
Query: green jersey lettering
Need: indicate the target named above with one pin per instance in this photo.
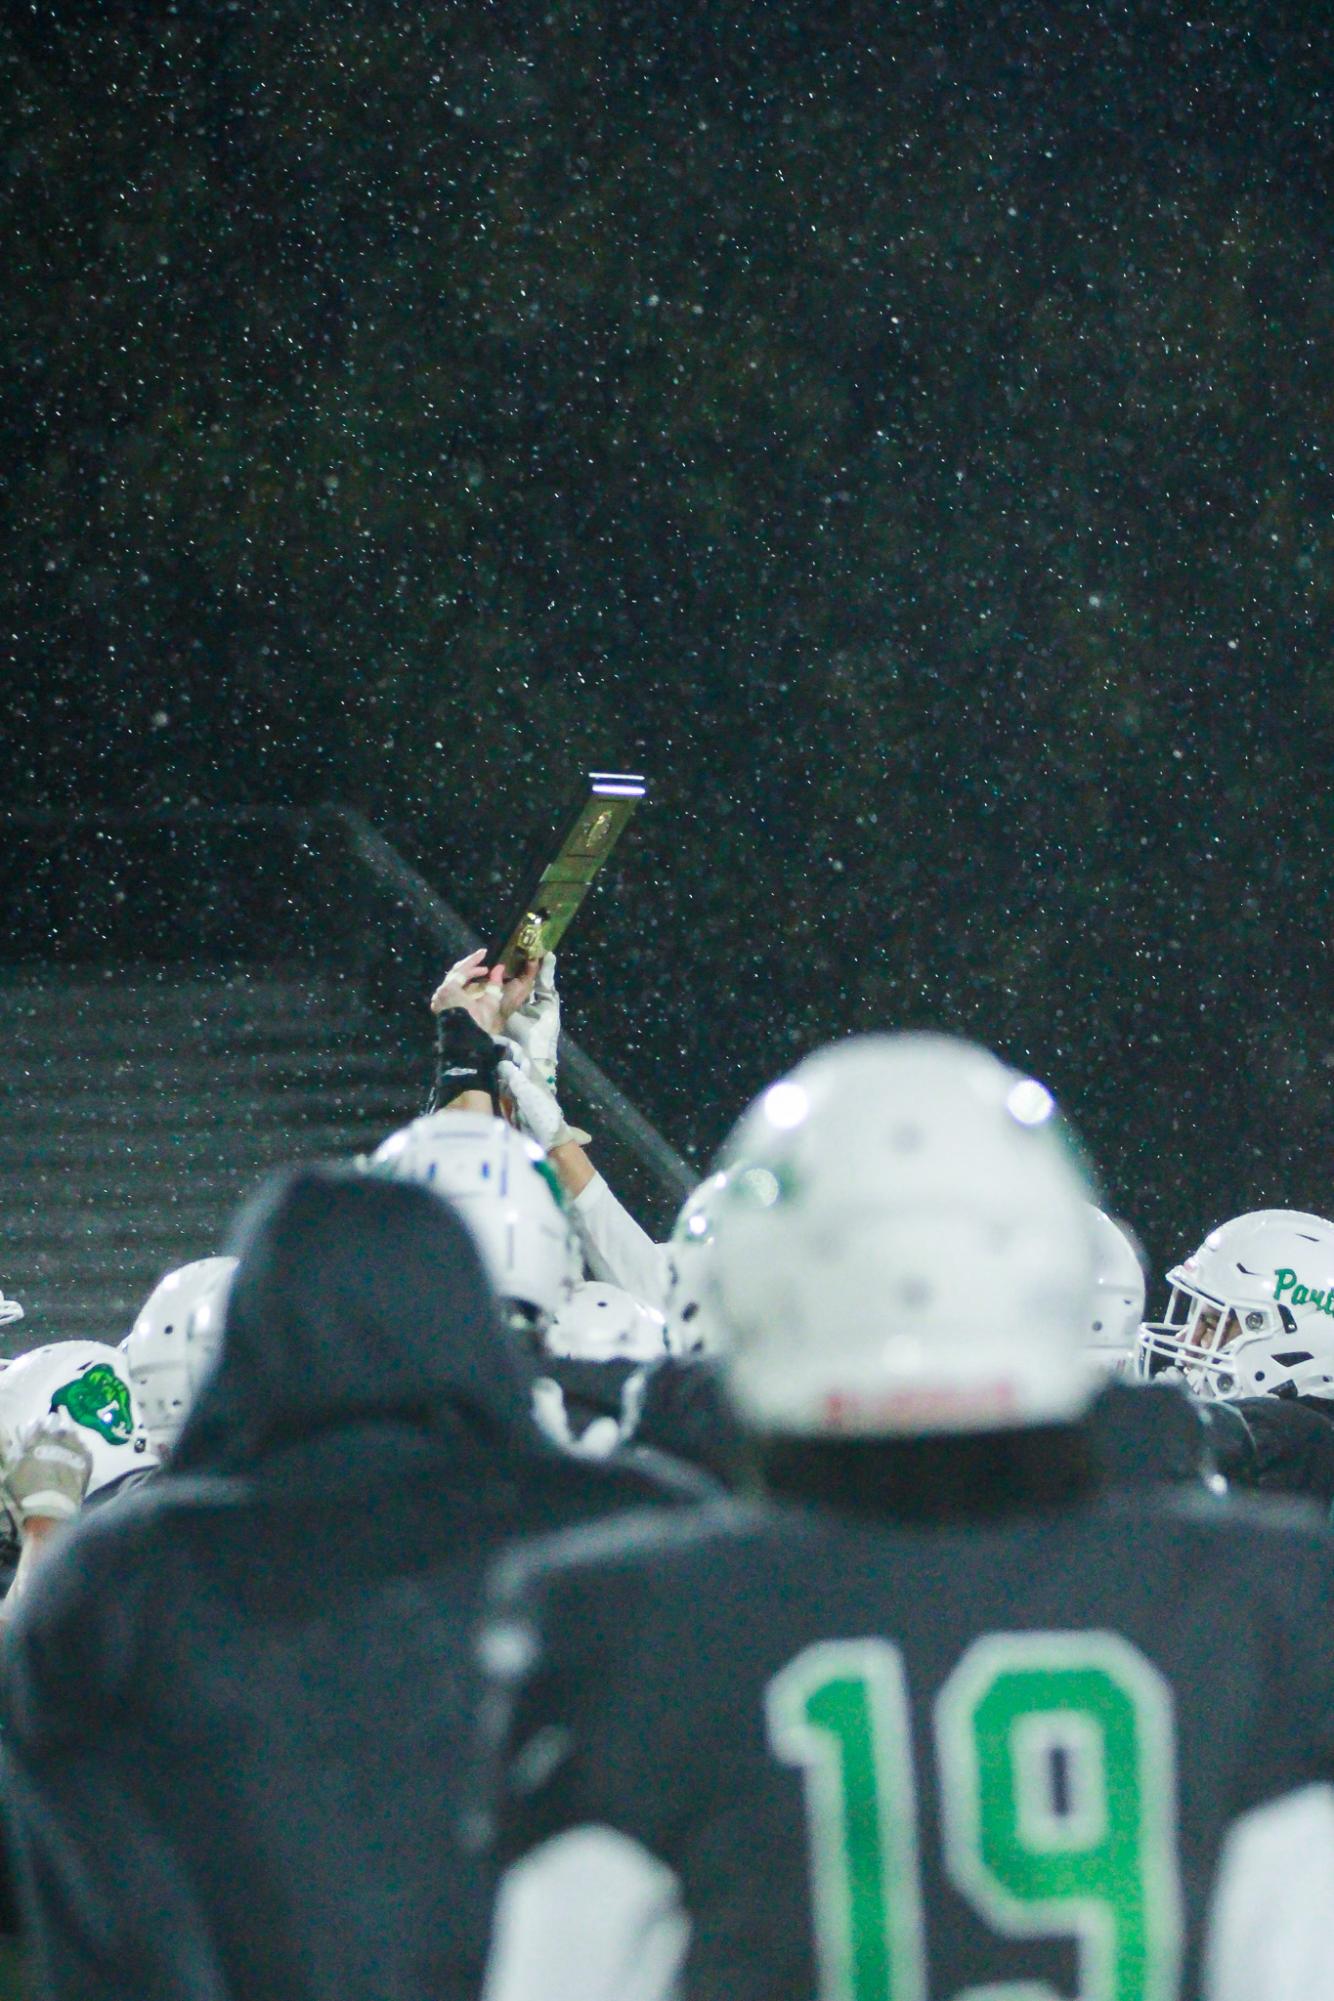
(1058, 1799)
(1058, 1810)
(840, 1712)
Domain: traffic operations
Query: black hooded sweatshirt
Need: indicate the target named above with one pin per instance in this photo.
(238, 1703)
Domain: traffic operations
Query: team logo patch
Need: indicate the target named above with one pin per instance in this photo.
(100, 1400)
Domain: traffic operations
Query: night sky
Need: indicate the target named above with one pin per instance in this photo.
(903, 432)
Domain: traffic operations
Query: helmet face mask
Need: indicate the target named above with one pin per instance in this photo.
(1251, 1312)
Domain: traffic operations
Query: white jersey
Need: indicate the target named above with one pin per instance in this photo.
(616, 1249)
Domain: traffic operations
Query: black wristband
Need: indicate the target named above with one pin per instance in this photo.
(466, 1059)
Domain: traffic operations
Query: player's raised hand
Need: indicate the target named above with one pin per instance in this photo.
(534, 1106)
(489, 994)
(535, 1026)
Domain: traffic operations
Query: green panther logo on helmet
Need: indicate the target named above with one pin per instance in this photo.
(99, 1399)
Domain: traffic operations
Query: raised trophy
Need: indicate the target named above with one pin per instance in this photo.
(605, 805)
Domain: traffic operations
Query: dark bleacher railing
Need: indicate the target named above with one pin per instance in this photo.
(229, 889)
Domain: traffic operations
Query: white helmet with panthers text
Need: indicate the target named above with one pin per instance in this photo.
(1117, 1309)
(1251, 1312)
(90, 1382)
(507, 1194)
(172, 1344)
(905, 1248)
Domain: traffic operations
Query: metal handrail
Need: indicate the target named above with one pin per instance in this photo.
(389, 870)
(643, 1139)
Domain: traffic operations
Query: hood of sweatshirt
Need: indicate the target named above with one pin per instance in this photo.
(356, 1303)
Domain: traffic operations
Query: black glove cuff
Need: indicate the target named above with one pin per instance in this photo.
(466, 1059)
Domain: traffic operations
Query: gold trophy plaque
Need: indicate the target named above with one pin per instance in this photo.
(605, 805)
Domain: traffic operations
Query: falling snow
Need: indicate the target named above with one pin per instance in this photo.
(907, 444)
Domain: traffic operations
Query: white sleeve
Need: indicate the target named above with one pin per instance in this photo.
(617, 1250)
(1269, 1936)
(589, 1916)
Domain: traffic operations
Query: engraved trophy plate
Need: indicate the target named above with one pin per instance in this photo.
(605, 806)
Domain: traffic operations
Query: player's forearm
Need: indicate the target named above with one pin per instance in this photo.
(618, 1251)
(574, 1169)
(465, 1065)
(38, 1531)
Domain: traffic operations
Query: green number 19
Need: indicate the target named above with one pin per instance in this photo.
(1058, 1809)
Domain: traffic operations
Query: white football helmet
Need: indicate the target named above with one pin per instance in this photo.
(508, 1196)
(1251, 1312)
(690, 1328)
(905, 1248)
(605, 1323)
(10, 1310)
(1118, 1296)
(91, 1382)
(171, 1344)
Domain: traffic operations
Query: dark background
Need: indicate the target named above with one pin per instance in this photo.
(902, 431)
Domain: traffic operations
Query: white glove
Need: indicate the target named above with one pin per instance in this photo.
(51, 1470)
(535, 1027)
(537, 1111)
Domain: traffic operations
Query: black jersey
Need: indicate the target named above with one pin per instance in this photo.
(607, 1393)
(1292, 1446)
(676, 1407)
(876, 1761)
(1149, 1434)
(237, 1703)
(685, 1411)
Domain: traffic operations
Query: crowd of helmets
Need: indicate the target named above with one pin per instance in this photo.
(815, 1228)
